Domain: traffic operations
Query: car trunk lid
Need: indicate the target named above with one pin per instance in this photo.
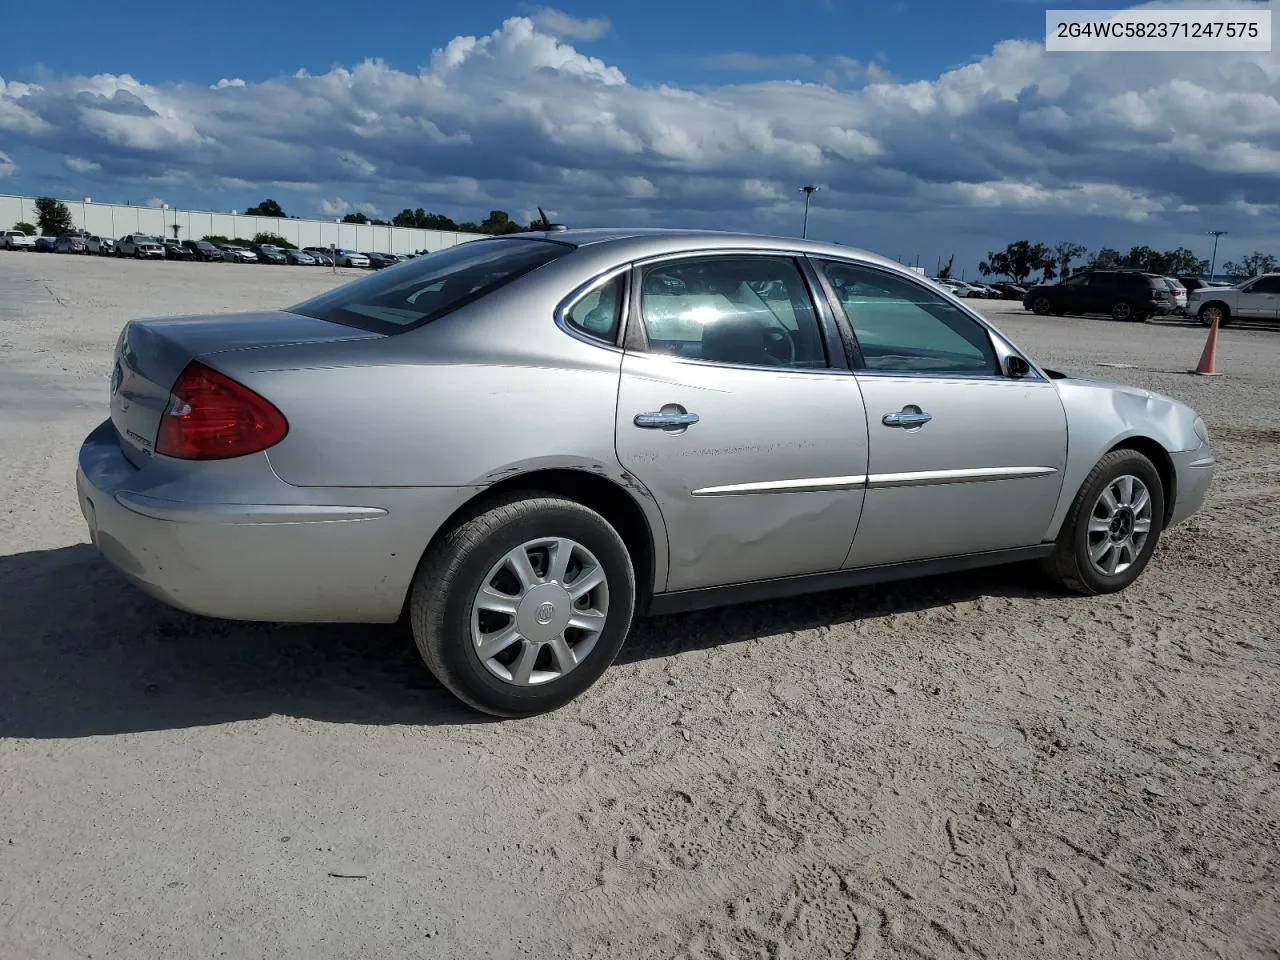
(150, 354)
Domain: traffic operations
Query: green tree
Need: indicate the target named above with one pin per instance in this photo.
(53, 217)
(355, 218)
(945, 272)
(1105, 259)
(1252, 265)
(1182, 262)
(380, 223)
(273, 240)
(499, 222)
(267, 208)
(405, 218)
(1064, 253)
(23, 227)
(1017, 261)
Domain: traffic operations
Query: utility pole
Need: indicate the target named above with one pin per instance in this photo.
(809, 190)
(1214, 262)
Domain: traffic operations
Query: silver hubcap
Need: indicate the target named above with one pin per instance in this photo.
(539, 611)
(1212, 313)
(1119, 525)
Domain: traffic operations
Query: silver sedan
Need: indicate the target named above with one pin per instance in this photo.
(525, 442)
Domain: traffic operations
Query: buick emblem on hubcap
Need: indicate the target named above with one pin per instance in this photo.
(545, 612)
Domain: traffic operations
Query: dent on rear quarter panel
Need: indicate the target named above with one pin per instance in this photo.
(1100, 416)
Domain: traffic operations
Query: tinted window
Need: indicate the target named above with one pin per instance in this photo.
(1079, 280)
(418, 291)
(597, 314)
(1266, 285)
(744, 310)
(901, 326)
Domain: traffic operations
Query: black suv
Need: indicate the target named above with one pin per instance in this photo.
(1123, 294)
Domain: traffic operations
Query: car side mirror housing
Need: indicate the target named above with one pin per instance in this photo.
(1016, 368)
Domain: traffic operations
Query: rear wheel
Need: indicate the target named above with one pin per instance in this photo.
(1122, 310)
(1215, 311)
(522, 607)
(1113, 526)
(1041, 306)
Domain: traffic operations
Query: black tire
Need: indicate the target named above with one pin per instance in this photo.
(1207, 321)
(453, 570)
(1069, 565)
(1123, 310)
(1041, 306)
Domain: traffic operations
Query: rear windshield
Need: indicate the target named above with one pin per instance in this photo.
(418, 291)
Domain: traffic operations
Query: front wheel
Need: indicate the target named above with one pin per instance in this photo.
(522, 607)
(1113, 526)
(1041, 306)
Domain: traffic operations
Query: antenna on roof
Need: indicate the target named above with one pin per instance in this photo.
(547, 225)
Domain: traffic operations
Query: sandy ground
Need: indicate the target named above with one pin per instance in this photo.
(964, 766)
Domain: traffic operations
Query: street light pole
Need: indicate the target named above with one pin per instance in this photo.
(1214, 262)
(809, 190)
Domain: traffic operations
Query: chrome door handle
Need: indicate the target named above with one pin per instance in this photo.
(665, 421)
(906, 419)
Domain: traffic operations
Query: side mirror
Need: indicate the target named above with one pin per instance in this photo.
(1016, 368)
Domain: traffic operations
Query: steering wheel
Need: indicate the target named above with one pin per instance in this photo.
(779, 345)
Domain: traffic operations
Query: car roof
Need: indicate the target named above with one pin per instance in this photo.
(643, 242)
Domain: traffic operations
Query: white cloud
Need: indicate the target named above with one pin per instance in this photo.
(568, 27)
(7, 166)
(1095, 148)
(81, 165)
(156, 202)
(235, 82)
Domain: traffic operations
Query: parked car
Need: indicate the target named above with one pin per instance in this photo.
(300, 258)
(141, 246)
(350, 258)
(233, 254)
(44, 244)
(1256, 299)
(322, 255)
(70, 243)
(268, 253)
(203, 250)
(1010, 291)
(16, 240)
(380, 260)
(102, 246)
(1179, 293)
(523, 536)
(1123, 294)
(173, 250)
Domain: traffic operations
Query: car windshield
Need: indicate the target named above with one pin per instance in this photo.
(415, 292)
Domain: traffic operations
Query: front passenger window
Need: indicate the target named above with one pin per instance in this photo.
(902, 327)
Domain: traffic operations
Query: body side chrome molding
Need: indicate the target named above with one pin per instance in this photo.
(918, 478)
(804, 485)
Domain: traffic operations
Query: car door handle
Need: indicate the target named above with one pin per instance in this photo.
(906, 419)
(658, 420)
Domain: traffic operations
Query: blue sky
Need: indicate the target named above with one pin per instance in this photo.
(932, 127)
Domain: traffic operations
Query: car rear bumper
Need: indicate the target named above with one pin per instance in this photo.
(1194, 471)
(291, 559)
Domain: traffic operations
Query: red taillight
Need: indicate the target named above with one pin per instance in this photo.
(211, 417)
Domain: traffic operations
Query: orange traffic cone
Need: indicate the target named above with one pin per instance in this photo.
(1205, 367)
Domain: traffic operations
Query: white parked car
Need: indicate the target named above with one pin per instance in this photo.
(322, 255)
(141, 246)
(234, 254)
(350, 258)
(102, 246)
(16, 240)
(1256, 299)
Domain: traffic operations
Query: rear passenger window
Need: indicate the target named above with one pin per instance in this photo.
(744, 310)
(598, 313)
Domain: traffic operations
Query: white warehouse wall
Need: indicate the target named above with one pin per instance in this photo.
(118, 220)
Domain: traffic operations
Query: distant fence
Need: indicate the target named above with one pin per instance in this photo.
(119, 220)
